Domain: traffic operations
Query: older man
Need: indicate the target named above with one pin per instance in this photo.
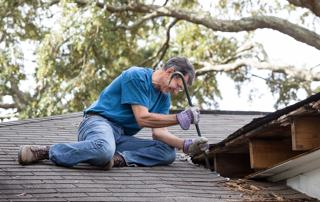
(138, 98)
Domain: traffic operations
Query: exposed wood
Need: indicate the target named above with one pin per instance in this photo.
(238, 149)
(286, 123)
(232, 165)
(271, 171)
(265, 152)
(295, 112)
(271, 129)
(316, 104)
(305, 133)
(243, 138)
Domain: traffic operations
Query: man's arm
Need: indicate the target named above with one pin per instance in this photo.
(159, 122)
(163, 135)
(152, 120)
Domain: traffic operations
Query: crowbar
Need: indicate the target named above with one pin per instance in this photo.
(190, 104)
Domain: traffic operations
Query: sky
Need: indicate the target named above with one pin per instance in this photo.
(277, 45)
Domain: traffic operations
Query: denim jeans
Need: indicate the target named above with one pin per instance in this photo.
(99, 139)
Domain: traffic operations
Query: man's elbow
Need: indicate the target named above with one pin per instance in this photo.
(155, 136)
(142, 122)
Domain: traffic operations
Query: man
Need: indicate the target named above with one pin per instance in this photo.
(138, 98)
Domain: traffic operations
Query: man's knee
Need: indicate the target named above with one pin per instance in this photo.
(171, 154)
(103, 152)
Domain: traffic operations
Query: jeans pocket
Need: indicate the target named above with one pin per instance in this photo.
(82, 126)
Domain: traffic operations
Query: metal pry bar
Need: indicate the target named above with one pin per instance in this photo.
(190, 104)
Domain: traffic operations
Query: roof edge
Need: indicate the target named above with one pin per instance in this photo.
(77, 114)
(227, 112)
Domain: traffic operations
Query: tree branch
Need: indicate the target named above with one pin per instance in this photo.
(165, 3)
(275, 66)
(19, 94)
(8, 106)
(245, 24)
(165, 45)
(163, 48)
(138, 22)
(4, 34)
(313, 5)
(241, 52)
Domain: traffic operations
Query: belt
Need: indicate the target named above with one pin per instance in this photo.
(94, 114)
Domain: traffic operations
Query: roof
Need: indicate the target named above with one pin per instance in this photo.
(255, 123)
(180, 181)
(278, 146)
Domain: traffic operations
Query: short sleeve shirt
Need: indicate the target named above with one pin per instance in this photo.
(133, 86)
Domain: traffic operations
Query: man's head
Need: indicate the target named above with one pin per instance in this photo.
(183, 65)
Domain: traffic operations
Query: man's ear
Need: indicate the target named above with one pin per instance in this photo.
(170, 70)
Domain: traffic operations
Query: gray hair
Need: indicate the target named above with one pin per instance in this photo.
(183, 65)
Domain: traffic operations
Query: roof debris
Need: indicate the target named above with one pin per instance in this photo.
(258, 193)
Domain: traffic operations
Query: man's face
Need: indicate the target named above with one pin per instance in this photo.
(175, 86)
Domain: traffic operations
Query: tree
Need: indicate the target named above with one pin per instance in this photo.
(97, 40)
(19, 23)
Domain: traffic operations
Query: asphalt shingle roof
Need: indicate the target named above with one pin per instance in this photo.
(179, 181)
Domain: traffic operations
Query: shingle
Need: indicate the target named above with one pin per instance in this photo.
(82, 190)
(45, 186)
(146, 199)
(119, 182)
(105, 186)
(94, 199)
(113, 194)
(68, 181)
(10, 186)
(150, 186)
(162, 194)
(29, 191)
(59, 195)
(21, 182)
(190, 199)
(133, 190)
(37, 199)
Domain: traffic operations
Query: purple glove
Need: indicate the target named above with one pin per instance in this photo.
(189, 116)
(195, 146)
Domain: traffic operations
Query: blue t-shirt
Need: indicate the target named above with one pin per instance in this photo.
(133, 86)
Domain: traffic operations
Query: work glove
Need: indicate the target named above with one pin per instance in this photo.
(189, 116)
(195, 146)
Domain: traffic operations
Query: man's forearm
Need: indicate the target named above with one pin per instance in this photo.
(168, 138)
(153, 120)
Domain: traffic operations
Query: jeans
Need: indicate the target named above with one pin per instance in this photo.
(99, 139)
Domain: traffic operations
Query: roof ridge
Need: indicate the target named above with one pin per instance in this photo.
(40, 119)
(172, 111)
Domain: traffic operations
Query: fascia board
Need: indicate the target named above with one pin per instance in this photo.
(303, 163)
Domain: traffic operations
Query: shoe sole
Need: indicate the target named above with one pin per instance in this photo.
(19, 155)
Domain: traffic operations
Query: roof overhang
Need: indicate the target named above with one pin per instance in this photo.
(300, 164)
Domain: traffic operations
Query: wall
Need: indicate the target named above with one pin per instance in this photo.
(307, 183)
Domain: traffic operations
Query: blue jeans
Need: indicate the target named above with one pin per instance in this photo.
(99, 139)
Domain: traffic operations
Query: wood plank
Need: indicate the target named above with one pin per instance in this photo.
(265, 152)
(232, 165)
(305, 133)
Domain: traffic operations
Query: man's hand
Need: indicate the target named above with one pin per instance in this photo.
(195, 146)
(189, 116)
